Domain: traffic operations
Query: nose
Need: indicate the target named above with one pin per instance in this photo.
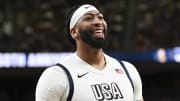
(98, 22)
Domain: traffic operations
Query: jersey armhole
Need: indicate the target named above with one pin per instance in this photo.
(127, 73)
(71, 83)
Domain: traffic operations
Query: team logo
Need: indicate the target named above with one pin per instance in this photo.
(81, 75)
(87, 7)
(106, 92)
(119, 71)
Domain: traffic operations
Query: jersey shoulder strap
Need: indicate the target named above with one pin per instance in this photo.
(127, 73)
(71, 83)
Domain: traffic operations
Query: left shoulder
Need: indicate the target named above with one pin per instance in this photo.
(130, 67)
(111, 60)
(136, 80)
(133, 72)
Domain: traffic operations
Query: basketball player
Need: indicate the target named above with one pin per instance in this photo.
(89, 74)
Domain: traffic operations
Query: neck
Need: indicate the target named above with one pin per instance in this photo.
(92, 56)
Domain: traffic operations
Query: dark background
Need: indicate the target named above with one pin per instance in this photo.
(134, 26)
(160, 82)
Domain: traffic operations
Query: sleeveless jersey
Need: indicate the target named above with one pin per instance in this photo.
(90, 84)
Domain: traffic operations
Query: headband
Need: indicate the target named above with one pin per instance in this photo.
(79, 13)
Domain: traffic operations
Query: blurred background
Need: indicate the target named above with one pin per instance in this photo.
(144, 32)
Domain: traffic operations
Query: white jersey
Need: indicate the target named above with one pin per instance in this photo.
(90, 84)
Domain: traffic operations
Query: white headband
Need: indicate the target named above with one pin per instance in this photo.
(79, 13)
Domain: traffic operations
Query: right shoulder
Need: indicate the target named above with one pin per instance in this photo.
(53, 71)
(52, 83)
(53, 75)
(56, 71)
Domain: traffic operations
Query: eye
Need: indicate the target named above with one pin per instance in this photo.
(88, 18)
(101, 17)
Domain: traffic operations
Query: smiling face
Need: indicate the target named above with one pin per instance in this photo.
(92, 29)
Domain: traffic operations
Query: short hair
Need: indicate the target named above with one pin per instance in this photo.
(67, 23)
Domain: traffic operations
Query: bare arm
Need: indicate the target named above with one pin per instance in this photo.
(140, 100)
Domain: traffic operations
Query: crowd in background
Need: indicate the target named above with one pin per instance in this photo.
(36, 25)
(157, 23)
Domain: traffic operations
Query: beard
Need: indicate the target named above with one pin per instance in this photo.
(95, 42)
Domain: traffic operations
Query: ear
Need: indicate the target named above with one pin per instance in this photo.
(74, 33)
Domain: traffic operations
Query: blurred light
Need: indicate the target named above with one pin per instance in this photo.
(176, 52)
(8, 60)
(12, 60)
(44, 59)
(161, 55)
(34, 60)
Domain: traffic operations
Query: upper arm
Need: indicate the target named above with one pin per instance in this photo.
(140, 100)
(136, 79)
(51, 85)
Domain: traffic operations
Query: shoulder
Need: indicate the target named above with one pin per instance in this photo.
(133, 72)
(69, 59)
(52, 70)
(111, 60)
(136, 79)
(51, 84)
(53, 76)
(130, 67)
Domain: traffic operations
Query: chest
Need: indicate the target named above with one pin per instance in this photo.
(111, 85)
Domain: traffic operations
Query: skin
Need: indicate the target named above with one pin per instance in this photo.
(92, 55)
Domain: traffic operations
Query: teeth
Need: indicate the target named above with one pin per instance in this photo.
(99, 31)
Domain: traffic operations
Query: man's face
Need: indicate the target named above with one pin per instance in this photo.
(92, 29)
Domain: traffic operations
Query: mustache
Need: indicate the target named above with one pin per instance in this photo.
(104, 29)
